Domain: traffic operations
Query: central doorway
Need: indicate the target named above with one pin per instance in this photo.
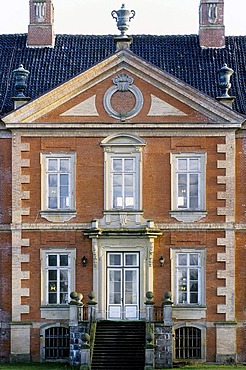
(123, 285)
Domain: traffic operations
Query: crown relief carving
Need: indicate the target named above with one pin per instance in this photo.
(123, 83)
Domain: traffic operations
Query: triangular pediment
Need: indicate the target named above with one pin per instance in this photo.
(160, 107)
(123, 88)
(84, 109)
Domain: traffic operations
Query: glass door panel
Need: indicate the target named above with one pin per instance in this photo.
(123, 286)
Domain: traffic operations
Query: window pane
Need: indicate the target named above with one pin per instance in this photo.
(117, 165)
(193, 274)
(52, 298)
(63, 277)
(115, 287)
(52, 260)
(52, 164)
(131, 260)
(64, 179)
(193, 259)
(115, 259)
(117, 191)
(182, 191)
(194, 298)
(64, 165)
(63, 260)
(52, 181)
(194, 164)
(194, 286)
(64, 202)
(182, 259)
(182, 164)
(128, 165)
(194, 191)
(52, 275)
(52, 203)
(64, 191)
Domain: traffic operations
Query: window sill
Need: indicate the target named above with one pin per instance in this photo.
(58, 215)
(189, 312)
(188, 216)
(54, 312)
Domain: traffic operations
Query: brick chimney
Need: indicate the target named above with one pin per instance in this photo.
(41, 27)
(211, 27)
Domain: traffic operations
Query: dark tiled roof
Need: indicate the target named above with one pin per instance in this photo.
(179, 55)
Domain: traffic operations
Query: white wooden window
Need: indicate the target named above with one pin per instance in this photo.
(57, 271)
(123, 172)
(58, 181)
(189, 277)
(188, 186)
(123, 183)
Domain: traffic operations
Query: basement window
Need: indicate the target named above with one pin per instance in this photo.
(187, 343)
(57, 343)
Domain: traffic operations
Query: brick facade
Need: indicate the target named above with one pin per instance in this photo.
(157, 118)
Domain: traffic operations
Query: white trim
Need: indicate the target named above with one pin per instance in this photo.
(122, 146)
(188, 214)
(58, 215)
(44, 252)
(202, 278)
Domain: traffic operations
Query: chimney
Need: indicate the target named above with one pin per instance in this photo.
(41, 27)
(211, 27)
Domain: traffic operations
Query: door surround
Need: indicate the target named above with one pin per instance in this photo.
(100, 248)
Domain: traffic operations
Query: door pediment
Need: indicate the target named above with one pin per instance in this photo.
(123, 88)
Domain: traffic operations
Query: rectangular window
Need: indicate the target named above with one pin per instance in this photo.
(189, 277)
(57, 276)
(123, 179)
(58, 181)
(188, 183)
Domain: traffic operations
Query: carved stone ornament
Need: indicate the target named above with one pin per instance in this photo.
(123, 100)
(212, 13)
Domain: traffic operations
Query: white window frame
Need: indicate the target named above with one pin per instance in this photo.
(175, 252)
(122, 146)
(122, 202)
(44, 253)
(58, 214)
(188, 213)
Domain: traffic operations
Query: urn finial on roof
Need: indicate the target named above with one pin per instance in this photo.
(123, 17)
(20, 76)
(225, 74)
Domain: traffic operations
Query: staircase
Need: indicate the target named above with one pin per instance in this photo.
(119, 345)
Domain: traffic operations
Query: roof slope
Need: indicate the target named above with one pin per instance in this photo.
(179, 55)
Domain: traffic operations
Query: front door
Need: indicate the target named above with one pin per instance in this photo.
(122, 285)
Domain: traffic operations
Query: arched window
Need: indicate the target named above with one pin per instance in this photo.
(187, 343)
(57, 343)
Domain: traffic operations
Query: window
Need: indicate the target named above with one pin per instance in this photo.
(124, 180)
(57, 276)
(123, 172)
(187, 343)
(189, 277)
(58, 185)
(57, 343)
(188, 185)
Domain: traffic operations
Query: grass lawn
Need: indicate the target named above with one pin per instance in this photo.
(48, 366)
